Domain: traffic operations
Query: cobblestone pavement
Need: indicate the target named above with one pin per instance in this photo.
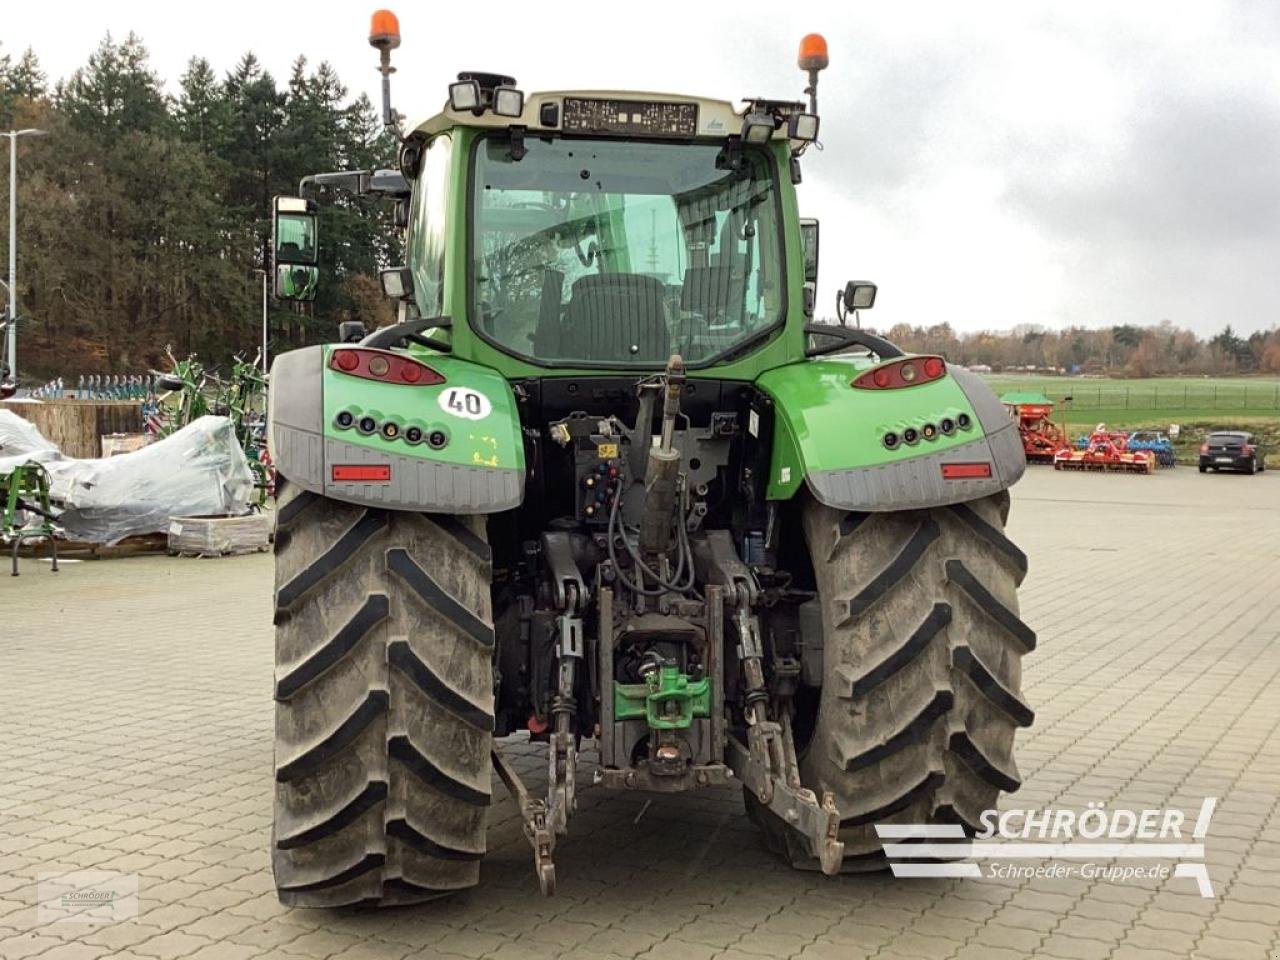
(135, 736)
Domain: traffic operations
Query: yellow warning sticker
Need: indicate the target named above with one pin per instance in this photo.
(607, 451)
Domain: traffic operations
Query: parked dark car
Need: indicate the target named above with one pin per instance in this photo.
(1232, 450)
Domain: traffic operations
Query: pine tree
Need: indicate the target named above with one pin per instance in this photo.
(116, 93)
(26, 79)
(202, 111)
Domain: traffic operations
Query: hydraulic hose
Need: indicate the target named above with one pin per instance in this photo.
(684, 577)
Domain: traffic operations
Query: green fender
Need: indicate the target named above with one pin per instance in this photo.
(475, 465)
(830, 436)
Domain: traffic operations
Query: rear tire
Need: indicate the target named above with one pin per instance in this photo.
(384, 703)
(922, 671)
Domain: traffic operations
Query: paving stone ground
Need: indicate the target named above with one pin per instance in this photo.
(135, 737)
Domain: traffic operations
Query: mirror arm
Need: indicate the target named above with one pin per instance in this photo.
(386, 183)
(846, 337)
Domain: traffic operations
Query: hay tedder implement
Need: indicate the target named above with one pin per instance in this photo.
(1042, 438)
(1107, 450)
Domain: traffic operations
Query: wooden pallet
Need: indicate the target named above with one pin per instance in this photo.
(139, 545)
(219, 536)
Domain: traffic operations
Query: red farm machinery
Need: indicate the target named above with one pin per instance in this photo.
(1106, 450)
(1042, 438)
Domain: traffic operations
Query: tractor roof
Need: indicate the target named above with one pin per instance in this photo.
(716, 118)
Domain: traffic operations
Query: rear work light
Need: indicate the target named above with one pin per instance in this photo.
(384, 366)
(906, 372)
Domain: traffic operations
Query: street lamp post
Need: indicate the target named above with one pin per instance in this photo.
(13, 136)
(264, 320)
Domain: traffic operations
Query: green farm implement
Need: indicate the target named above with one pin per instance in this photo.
(609, 485)
(25, 513)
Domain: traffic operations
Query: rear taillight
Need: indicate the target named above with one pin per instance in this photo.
(1247, 450)
(384, 366)
(1204, 448)
(906, 372)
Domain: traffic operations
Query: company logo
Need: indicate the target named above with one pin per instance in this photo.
(87, 896)
(1075, 844)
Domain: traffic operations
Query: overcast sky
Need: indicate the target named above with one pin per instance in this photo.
(988, 164)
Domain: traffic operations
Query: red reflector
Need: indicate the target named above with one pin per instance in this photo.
(361, 472)
(965, 471)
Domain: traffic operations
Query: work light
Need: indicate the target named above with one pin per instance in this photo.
(757, 128)
(803, 126)
(464, 95)
(508, 101)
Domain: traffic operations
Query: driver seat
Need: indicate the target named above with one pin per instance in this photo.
(617, 317)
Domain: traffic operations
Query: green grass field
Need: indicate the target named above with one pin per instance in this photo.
(1198, 405)
(1158, 400)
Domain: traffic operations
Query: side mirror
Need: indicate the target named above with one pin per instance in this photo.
(397, 283)
(293, 231)
(858, 295)
(809, 243)
(294, 282)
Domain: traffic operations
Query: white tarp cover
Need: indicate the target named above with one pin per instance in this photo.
(21, 442)
(198, 471)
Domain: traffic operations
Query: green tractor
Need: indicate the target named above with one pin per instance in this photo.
(606, 484)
